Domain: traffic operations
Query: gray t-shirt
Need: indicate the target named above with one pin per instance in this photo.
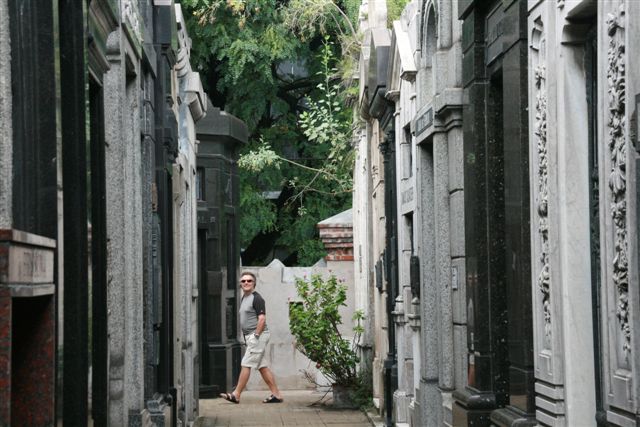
(251, 307)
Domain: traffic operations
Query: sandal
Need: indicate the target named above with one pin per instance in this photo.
(230, 397)
(272, 399)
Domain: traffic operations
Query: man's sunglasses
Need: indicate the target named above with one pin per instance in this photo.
(246, 281)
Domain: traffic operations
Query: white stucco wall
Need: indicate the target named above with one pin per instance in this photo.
(276, 284)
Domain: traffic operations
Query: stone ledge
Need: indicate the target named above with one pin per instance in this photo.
(28, 291)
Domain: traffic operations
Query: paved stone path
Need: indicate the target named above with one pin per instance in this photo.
(298, 409)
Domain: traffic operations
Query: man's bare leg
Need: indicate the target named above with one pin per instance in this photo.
(243, 379)
(267, 376)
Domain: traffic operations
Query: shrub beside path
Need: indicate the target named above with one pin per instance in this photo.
(298, 409)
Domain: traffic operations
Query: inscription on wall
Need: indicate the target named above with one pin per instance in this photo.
(454, 278)
(424, 121)
(29, 265)
(406, 196)
(636, 139)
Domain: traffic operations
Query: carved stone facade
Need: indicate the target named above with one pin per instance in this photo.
(542, 198)
(617, 144)
(375, 283)
(619, 209)
(153, 110)
(102, 340)
(587, 246)
(419, 261)
(516, 206)
(439, 218)
(401, 92)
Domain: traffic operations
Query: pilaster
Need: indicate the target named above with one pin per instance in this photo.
(620, 303)
(546, 277)
(402, 396)
(6, 125)
(124, 234)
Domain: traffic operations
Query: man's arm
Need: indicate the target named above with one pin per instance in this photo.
(261, 312)
(262, 320)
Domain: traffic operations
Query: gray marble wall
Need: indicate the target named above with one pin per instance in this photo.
(437, 129)
(6, 135)
(129, 175)
(124, 258)
(573, 270)
(424, 83)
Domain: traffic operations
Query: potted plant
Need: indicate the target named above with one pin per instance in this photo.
(314, 323)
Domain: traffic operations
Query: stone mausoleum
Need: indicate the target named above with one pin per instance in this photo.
(496, 211)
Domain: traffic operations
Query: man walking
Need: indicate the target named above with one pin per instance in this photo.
(253, 322)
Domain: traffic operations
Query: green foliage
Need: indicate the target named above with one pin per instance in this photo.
(264, 214)
(360, 394)
(310, 252)
(326, 124)
(394, 10)
(241, 40)
(314, 324)
(363, 392)
(263, 156)
(246, 51)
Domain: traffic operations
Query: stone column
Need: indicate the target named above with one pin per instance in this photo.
(443, 263)
(6, 128)
(414, 323)
(401, 396)
(363, 265)
(427, 393)
(124, 231)
(6, 203)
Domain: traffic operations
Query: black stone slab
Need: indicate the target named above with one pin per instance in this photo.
(497, 241)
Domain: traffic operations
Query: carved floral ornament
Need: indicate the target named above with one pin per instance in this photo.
(617, 145)
(540, 132)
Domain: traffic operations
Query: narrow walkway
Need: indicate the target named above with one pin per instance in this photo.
(298, 409)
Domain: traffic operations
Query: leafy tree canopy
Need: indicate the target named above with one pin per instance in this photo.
(272, 63)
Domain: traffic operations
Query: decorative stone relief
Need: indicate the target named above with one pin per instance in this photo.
(560, 4)
(131, 15)
(616, 142)
(540, 131)
(183, 63)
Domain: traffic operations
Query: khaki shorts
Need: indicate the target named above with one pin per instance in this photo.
(254, 356)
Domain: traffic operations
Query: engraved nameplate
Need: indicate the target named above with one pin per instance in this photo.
(30, 265)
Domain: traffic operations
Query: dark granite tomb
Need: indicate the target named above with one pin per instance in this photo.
(500, 344)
